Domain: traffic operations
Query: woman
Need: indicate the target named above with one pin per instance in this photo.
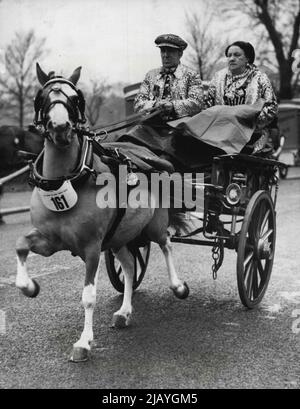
(243, 83)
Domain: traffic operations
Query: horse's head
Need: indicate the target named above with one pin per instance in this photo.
(59, 105)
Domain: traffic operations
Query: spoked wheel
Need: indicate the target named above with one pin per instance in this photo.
(114, 268)
(256, 249)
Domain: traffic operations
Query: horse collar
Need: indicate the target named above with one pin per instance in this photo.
(77, 177)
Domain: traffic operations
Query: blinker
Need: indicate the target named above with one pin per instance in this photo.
(41, 107)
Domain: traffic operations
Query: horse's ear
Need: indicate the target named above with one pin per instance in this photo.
(42, 76)
(75, 76)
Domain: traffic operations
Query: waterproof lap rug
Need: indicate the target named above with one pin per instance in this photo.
(192, 142)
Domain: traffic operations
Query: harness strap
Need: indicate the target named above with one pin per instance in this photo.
(120, 214)
(83, 170)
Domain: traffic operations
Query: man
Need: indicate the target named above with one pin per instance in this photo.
(174, 88)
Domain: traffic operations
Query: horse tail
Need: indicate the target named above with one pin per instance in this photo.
(181, 222)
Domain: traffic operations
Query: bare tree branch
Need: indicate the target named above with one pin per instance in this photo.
(206, 51)
(295, 35)
(281, 22)
(16, 84)
(95, 98)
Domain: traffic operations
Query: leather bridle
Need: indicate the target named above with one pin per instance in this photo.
(75, 105)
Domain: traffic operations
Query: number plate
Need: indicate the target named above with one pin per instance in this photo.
(59, 200)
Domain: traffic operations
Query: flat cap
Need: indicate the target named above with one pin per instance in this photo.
(170, 40)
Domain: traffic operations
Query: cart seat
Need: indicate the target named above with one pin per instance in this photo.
(140, 156)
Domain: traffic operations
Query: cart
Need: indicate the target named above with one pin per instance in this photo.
(289, 125)
(240, 193)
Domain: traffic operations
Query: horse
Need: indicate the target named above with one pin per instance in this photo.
(80, 225)
(12, 139)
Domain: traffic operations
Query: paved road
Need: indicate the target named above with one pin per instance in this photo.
(206, 341)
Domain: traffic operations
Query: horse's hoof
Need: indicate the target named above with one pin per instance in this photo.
(32, 293)
(119, 321)
(183, 292)
(79, 355)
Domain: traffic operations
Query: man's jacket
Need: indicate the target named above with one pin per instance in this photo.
(186, 91)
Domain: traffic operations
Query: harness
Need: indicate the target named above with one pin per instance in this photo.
(89, 145)
(75, 108)
(80, 174)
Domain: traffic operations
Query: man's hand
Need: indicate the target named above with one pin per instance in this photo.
(166, 106)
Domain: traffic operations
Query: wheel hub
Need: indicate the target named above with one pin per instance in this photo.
(263, 249)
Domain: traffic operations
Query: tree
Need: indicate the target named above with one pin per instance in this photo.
(16, 83)
(95, 99)
(206, 51)
(281, 22)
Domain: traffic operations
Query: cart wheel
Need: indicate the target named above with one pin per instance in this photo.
(114, 268)
(283, 171)
(256, 249)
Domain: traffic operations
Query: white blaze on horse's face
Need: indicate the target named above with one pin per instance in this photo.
(59, 123)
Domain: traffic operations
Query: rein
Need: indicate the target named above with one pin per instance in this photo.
(89, 139)
(42, 107)
(124, 123)
(52, 190)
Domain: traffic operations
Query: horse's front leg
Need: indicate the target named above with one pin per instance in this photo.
(122, 317)
(82, 347)
(179, 287)
(37, 243)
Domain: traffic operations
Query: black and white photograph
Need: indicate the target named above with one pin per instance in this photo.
(149, 197)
